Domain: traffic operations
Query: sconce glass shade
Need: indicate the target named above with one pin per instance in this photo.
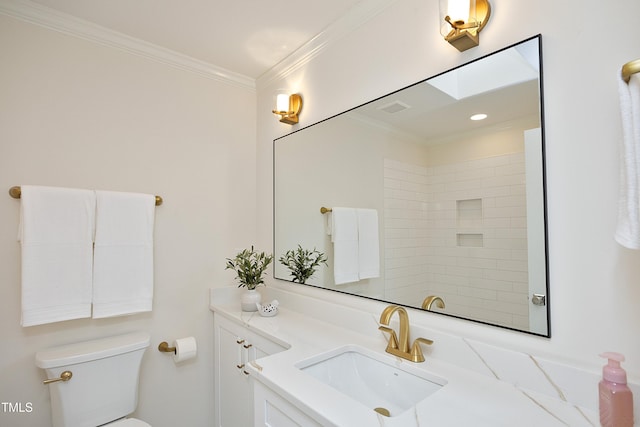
(288, 107)
(282, 102)
(462, 20)
(459, 11)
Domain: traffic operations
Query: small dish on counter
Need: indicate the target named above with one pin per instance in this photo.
(268, 310)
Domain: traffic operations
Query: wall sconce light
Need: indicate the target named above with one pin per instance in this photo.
(462, 20)
(288, 107)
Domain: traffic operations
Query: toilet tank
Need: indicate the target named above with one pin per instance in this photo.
(104, 385)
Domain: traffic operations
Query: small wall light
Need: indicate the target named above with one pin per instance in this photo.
(462, 21)
(288, 107)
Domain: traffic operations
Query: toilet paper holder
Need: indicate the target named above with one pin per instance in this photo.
(164, 348)
(183, 349)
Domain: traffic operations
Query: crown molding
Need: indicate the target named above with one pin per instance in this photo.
(358, 15)
(52, 19)
(49, 18)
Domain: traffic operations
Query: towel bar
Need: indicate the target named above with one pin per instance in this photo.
(16, 193)
(631, 67)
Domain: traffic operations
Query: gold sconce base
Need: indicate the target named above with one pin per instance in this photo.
(463, 40)
(290, 119)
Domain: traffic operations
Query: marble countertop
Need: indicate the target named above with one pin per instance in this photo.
(470, 397)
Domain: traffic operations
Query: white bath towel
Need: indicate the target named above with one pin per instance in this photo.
(56, 235)
(628, 228)
(368, 244)
(123, 254)
(344, 235)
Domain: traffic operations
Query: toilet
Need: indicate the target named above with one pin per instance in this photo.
(103, 388)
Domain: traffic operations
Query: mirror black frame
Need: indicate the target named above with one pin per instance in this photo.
(544, 188)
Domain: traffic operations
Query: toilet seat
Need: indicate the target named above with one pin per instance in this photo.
(128, 422)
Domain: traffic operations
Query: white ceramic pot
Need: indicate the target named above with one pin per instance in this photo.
(248, 300)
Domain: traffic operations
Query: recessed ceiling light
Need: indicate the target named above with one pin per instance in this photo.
(476, 117)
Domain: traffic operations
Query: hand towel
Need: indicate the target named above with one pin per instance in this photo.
(123, 254)
(344, 235)
(56, 235)
(628, 227)
(368, 244)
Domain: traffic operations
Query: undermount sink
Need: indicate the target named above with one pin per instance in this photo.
(383, 383)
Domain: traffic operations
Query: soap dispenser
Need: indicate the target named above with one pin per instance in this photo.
(616, 400)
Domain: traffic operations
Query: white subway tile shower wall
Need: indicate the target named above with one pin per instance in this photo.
(460, 231)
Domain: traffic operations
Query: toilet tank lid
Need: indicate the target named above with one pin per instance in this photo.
(91, 350)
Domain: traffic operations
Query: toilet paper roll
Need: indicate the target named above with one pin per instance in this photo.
(186, 348)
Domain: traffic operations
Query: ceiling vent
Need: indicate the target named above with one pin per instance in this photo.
(394, 107)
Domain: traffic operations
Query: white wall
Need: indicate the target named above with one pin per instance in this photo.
(77, 114)
(595, 284)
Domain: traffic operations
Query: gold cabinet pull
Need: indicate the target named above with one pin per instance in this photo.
(65, 376)
(239, 341)
(247, 346)
(240, 366)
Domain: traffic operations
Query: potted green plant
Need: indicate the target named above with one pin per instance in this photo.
(249, 266)
(302, 262)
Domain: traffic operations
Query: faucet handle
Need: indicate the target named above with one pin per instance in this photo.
(416, 351)
(393, 339)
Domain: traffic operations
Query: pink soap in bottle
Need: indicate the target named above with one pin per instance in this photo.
(616, 400)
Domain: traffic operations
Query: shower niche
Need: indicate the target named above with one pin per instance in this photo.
(469, 223)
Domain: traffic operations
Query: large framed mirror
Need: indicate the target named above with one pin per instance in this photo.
(460, 203)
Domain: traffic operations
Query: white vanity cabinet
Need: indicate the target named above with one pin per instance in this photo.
(234, 347)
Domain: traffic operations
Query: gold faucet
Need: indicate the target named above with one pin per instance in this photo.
(430, 300)
(400, 347)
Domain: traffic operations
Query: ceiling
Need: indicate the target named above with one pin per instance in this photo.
(247, 37)
(504, 85)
